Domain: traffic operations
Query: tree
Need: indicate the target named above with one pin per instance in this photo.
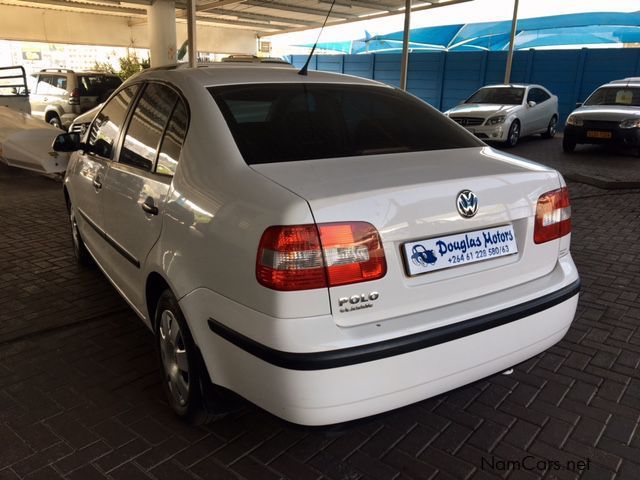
(130, 65)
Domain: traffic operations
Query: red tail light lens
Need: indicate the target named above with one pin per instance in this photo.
(74, 96)
(302, 257)
(553, 216)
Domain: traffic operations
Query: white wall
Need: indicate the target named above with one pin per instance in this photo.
(51, 26)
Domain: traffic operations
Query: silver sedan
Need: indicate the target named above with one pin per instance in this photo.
(504, 113)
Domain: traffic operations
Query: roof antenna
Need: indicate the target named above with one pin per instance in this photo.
(305, 68)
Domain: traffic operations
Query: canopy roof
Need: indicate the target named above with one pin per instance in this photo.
(557, 30)
(262, 16)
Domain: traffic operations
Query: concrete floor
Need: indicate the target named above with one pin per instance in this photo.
(80, 397)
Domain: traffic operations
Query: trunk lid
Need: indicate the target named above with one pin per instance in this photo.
(410, 197)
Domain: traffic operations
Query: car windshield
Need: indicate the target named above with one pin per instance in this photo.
(97, 85)
(623, 96)
(498, 96)
(289, 122)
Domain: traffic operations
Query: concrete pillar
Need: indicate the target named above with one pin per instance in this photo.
(162, 32)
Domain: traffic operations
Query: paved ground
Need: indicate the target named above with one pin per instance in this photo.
(82, 401)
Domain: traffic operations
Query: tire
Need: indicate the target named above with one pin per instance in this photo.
(551, 128)
(55, 121)
(80, 252)
(568, 145)
(184, 376)
(514, 134)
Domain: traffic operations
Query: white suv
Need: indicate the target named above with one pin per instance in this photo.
(326, 246)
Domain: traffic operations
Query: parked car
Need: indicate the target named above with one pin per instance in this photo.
(328, 247)
(59, 95)
(504, 113)
(611, 115)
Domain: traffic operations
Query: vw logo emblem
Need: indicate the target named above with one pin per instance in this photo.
(467, 203)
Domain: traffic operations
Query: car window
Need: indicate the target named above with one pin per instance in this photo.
(498, 96)
(148, 121)
(106, 127)
(538, 95)
(623, 96)
(47, 85)
(312, 121)
(93, 85)
(172, 141)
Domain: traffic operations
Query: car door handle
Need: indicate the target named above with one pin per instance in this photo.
(97, 183)
(149, 207)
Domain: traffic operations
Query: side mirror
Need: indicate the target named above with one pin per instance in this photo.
(531, 103)
(578, 105)
(66, 142)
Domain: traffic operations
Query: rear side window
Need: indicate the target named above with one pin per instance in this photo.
(172, 141)
(290, 122)
(149, 119)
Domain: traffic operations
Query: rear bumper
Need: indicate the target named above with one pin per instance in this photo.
(340, 384)
(618, 136)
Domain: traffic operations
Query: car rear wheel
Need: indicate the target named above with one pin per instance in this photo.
(80, 252)
(185, 380)
(568, 145)
(514, 134)
(551, 128)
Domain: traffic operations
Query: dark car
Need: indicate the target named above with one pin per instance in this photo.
(611, 115)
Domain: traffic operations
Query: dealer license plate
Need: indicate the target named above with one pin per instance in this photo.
(596, 134)
(437, 253)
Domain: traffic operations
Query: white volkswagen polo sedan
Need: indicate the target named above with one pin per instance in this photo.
(326, 246)
(504, 113)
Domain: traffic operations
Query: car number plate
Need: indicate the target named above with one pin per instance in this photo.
(436, 253)
(596, 134)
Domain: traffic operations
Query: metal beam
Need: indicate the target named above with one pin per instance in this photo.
(404, 67)
(86, 8)
(514, 24)
(364, 4)
(241, 14)
(286, 7)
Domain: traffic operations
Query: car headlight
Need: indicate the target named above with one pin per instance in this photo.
(630, 123)
(496, 120)
(575, 121)
(446, 113)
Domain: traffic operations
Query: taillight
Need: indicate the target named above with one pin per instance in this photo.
(553, 216)
(302, 257)
(74, 97)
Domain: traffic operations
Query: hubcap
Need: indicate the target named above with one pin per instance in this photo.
(552, 127)
(174, 357)
(515, 133)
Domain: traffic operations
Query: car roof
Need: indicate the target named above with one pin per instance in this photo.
(514, 85)
(630, 82)
(232, 73)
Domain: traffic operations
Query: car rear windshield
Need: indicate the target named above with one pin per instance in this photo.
(498, 96)
(97, 85)
(624, 96)
(290, 122)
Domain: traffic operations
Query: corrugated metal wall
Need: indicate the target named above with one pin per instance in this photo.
(446, 78)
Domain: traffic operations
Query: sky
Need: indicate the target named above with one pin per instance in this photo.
(469, 12)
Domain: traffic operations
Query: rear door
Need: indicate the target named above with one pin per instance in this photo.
(137, 185)
(86, 180)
